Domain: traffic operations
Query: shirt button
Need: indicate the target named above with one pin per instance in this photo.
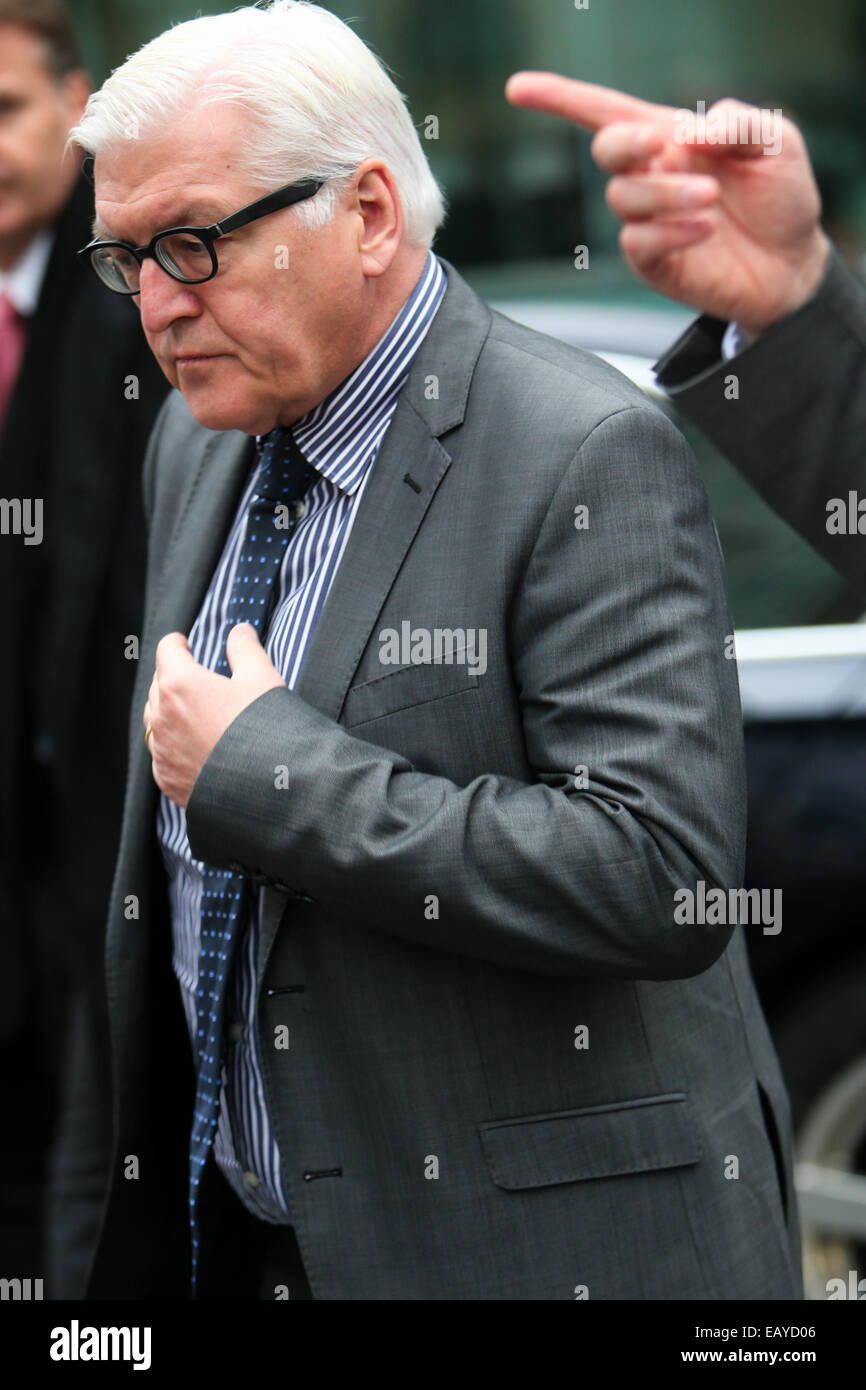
(300, 508)
(236, 1032)
(251, 1179)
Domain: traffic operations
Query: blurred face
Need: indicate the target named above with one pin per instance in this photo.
(36, 113)
(290, 312)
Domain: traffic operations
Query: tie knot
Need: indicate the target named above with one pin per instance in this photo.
(284, 474)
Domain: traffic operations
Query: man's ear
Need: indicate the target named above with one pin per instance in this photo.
(382, 226)
(76, 86)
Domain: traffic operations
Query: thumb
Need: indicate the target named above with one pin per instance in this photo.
(245, 652)
(171, 648)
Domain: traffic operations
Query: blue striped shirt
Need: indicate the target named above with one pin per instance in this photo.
(341, 438)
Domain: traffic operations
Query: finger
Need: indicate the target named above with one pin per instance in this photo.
(624, 146)
(151, 708)
(648, 195)
(584, 102)
(245, 652)
(171, 648)
(645, 244)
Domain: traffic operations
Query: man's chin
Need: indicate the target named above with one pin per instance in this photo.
(217, 414)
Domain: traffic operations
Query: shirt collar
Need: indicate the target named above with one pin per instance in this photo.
(339, 435)
(24, 281)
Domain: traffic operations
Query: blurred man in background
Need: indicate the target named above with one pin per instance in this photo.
(722, 212)
(78, 392)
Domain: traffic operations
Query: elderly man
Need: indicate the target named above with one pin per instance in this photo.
(443, 732)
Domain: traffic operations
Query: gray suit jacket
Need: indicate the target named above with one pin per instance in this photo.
(797, 430)
(511, 1073)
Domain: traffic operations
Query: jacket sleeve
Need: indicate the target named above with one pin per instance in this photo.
(618, 655)
(797, 424)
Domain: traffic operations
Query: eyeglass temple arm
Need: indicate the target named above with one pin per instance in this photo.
(271, 203)
(260, 208)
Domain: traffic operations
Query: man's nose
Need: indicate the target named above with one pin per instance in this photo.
(162, 299)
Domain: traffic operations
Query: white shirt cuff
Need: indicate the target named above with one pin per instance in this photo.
(733, 342)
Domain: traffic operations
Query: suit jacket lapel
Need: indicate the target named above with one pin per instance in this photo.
(388, 517)
(408, 469)
(209, 502)
(204, 519)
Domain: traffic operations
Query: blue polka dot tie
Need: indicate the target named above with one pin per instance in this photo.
(282, 479)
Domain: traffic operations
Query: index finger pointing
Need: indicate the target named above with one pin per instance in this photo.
(583, 102)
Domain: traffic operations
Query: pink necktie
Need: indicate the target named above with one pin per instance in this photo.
(13, 331)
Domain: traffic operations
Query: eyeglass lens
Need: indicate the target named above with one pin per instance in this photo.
(184, 256)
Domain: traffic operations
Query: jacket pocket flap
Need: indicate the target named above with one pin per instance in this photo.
(601, 1141)
(400, 689)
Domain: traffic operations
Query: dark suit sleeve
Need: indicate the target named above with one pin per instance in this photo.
(617, 642)
(798, 427)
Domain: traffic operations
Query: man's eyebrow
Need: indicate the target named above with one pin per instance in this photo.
(193, 215)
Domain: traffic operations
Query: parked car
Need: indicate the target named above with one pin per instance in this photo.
(801, 651)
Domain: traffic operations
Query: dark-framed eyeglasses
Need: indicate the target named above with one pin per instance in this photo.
(185, 253)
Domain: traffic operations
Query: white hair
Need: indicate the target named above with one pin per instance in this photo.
(319, 102)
